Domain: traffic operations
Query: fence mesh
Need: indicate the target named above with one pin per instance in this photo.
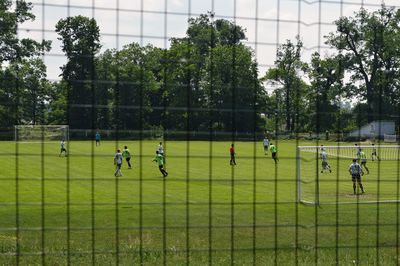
(169, 104)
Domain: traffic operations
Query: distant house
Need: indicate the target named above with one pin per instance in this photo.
(375, 129)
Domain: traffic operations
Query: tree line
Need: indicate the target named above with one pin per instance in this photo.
(206, 81)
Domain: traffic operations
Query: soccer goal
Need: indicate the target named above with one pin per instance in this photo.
(41, 133)
(320, 186)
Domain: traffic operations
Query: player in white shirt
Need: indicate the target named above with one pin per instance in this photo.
(266, 145)
(118, 162)
(161, 149)
(374, 153)
(356, 172)
(325, 164)
(62, 148)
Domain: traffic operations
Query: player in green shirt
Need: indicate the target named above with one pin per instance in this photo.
(363, 159)
(274, 152)
(160, 161)
(127, 155)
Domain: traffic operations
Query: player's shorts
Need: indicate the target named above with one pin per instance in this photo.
(273, 154)
(324, 164)
(374, 153)
(63, 149)
(363, 162)
(266, 147)
(356, 177)
(119, 165)
(128, 159)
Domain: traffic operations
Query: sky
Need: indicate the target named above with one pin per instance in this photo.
(268, 23)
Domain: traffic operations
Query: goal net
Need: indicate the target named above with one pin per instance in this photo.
(317, 185)
(40, 133)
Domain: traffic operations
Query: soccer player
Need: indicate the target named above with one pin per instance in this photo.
(356, 171)
(325, 164)
(322, 148)
(374, 153)
(160, 160)
(358, 149)
(98, 138)
(127, 155)
(62, 148)
(118, 163)
(232, 153)
(363, 158)
(274, 152)
(161, 149)
(266, 145)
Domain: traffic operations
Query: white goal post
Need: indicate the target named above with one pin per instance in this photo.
(41, 133)
(382, 184)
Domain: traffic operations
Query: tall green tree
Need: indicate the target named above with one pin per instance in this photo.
(24, 91)
(130, 85)
(286, 74)
(325, 91)
(233, 88)
(57, 103)
(369, 42)
(80, 42)
(17, 69)
(13, 48)
(204, 32)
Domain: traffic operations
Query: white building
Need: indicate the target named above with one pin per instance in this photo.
(375, 129)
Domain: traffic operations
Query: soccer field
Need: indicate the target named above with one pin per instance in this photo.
(72, 210)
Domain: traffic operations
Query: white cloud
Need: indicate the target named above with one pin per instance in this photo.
(155, 30)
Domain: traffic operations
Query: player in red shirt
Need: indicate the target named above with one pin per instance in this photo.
(232, 152)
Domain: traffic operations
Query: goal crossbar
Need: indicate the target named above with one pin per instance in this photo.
(41, 133)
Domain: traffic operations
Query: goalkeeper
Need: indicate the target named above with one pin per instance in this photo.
(325, 164)
(356, 172)
(98, 138)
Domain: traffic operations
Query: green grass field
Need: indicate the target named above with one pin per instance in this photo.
(73, 210)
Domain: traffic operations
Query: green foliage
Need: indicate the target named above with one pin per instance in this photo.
(80, 37)
(205, 80)
(12, 48)
(178, 88)
(233, 88)
(58, 105)
(24, 92)
(325, 92)
(23, 83)
(286, 74)
(369, 43)
(129, 85)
